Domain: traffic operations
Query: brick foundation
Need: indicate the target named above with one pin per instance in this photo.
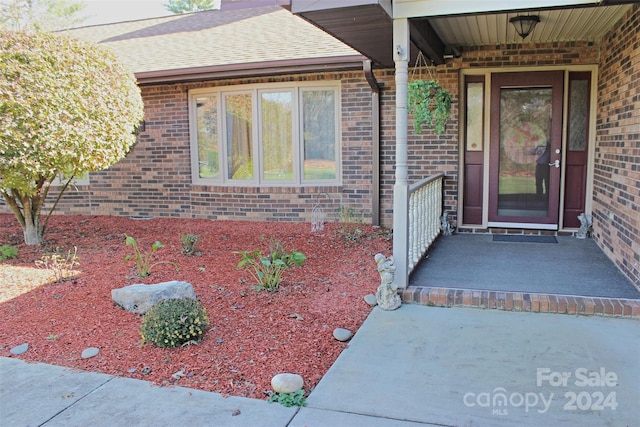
(517, 301)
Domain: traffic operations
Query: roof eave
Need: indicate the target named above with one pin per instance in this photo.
(252, 69)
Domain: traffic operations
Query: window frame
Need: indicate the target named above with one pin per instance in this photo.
(60, 180)
(256, 91)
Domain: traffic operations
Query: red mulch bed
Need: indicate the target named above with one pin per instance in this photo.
(253, 335)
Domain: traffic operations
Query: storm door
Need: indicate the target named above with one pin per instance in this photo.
(525, 149)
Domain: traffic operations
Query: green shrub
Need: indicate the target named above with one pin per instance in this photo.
(174, 322)
(8, 252)
(268, 269)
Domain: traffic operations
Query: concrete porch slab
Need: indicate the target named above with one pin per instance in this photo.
(569, 267)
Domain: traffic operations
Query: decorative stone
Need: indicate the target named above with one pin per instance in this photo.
(342, 334)
(139, 298)
(371, 300)
(387, 293)
(90, 352)
(287, 383)
(19, 349)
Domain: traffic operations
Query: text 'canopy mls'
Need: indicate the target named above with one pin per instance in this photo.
(66, 107)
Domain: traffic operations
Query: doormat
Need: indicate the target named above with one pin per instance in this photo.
(519, 238)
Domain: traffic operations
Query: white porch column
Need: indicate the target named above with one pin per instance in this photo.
(401, 186)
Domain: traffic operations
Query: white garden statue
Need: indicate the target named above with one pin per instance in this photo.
(586, 222)
(387, 293)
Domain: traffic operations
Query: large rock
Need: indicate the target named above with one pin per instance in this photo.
(287, 383)
(139, 298)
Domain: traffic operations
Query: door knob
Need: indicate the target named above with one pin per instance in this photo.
(555, 164)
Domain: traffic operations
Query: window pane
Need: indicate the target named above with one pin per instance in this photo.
(319, 133)
(208, 148)
(474, 116)
(578, 103)
(525, 147)
(277, 135)
(239, 144)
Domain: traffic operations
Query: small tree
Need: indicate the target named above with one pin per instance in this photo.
(66, 108)
(188, 6)
(41, 15)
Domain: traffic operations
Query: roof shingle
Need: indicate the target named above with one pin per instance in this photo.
(214, 38)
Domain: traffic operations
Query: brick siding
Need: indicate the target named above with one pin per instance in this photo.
(616, 195)
(155, 177)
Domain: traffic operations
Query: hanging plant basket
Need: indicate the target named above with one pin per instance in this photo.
(430, 105)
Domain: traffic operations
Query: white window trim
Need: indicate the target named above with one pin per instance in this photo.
(60, 181)
(298, 153)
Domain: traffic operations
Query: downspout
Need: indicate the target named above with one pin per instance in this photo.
(375, 136)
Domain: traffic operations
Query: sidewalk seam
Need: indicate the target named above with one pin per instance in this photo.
(80, 399)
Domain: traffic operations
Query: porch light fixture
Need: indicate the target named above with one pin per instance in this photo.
(524, 24)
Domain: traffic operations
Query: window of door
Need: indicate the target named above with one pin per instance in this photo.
(525, 152)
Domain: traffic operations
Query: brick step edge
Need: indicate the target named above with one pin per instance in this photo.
(518, 301)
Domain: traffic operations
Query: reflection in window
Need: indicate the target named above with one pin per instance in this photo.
(525, 138)
(474, 116)
(319, 128)
(266, 134)
(277, 135)
(207, 117)
(239, 144)
(578, 102)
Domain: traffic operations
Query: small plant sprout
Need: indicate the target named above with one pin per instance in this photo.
(8, 252)
(60, 266)
(268, 269)
(144, 261)
(350, 224)
(189, 243)
(289, 399)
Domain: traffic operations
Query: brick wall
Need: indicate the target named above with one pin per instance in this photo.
(155, 177)
(616, 196)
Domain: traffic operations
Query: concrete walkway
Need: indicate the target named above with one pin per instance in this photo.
(412, 367)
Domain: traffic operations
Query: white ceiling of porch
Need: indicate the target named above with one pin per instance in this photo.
(587, 23)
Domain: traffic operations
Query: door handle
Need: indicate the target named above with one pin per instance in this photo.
(555, 164)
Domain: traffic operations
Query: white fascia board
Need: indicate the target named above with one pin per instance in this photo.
(423, 8)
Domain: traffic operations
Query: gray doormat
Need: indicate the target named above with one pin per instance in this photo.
(519, 238)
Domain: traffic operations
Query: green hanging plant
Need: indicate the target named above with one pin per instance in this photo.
(430, 105)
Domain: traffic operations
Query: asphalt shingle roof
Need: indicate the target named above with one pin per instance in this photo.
(214, 38)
